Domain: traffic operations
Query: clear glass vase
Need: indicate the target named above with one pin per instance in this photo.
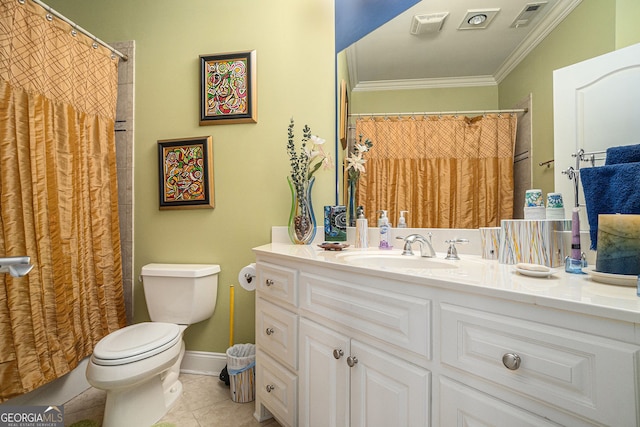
(302, 222)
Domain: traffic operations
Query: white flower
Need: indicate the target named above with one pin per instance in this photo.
(327, 162)
(361, 148)
(356, 162)
(317, 140)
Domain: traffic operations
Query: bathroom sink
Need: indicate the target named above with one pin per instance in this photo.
(395, 260)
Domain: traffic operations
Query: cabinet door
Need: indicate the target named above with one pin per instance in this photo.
(387, 391)
(323, 376)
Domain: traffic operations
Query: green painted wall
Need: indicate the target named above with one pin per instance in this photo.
(294, 41)
(587, 32)
(595, 27)
(627, 28)
(425, 100)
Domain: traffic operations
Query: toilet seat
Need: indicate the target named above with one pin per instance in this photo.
(136, 342)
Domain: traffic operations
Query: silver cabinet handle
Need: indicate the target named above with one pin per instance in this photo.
(337, 353)
(268, 282)
(351, 361)
(270, 387)
(511, 361)
(269, 331)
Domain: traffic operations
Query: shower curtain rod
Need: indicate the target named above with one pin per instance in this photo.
(78, 28)
(441, 113)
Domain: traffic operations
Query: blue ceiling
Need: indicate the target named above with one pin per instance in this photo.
(357, 18)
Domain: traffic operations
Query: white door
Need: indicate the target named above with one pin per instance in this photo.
(387, 391)
(324, 377)
(595, 105)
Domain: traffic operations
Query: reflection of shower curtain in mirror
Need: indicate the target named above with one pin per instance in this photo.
(447, 171)
(58, 198)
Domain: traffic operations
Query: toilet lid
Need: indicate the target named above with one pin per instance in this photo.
(136, 342)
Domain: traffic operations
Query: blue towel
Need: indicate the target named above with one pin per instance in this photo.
(623, 154)
(610, 189)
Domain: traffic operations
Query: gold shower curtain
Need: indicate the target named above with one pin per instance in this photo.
(447, 171)
(58, 198)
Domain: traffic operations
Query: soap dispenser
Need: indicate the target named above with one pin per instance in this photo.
(362, 230)
(402, 222)
(385, 228)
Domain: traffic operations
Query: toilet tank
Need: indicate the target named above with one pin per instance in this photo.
(180, 293)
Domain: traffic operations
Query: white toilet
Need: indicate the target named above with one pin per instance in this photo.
(138, 365)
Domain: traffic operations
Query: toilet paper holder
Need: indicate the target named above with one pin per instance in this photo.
(246, 276)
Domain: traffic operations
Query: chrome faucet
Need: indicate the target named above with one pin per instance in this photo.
(16, 266)
(426, 248)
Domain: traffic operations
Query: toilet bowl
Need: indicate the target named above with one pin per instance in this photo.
(139, 365)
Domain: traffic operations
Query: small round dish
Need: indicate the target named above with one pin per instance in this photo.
(331, 246)
(534, 270)
(611, 279)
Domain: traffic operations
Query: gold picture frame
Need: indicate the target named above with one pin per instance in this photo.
(343, 128)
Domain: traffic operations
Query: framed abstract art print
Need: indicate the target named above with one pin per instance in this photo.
(228, 88)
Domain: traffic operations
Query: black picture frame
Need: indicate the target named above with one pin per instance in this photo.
(185, 169)
(228, 88)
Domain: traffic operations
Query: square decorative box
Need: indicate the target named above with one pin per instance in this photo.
(533, 241)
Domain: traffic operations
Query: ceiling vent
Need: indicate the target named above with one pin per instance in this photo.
(428, 23)
(476, 19)
(527, 14)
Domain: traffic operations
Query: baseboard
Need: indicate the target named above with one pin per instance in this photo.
(69, 386)
(203, 363)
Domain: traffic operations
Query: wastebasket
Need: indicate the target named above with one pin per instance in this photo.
(241, 364)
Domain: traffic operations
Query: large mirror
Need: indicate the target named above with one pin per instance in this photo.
(439, 56)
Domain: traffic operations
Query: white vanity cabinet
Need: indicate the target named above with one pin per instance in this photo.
(340, 345)
(345, 382)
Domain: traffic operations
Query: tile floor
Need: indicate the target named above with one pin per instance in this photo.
(205, 402)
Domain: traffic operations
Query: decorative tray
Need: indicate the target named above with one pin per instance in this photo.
(333, 246)
(611, 279)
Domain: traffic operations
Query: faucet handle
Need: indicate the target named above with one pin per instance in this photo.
(407, 246)
(452, 252)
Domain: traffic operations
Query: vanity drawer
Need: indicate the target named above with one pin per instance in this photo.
(396, 319)
(588, 375)
(464, 406)
(277, 332)
(277, 283)
(278, 389)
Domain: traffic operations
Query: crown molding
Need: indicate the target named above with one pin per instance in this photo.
(434, 83)
(548, 24)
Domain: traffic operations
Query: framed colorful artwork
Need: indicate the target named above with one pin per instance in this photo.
(228, 88)
(186, 173)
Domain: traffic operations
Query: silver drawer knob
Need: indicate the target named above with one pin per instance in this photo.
(270, 387)
(268, 282)
(351, 361)
(511, 361)
(337, 353)
(269, 331)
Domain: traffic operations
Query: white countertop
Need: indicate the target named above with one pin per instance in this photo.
(560, 290)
